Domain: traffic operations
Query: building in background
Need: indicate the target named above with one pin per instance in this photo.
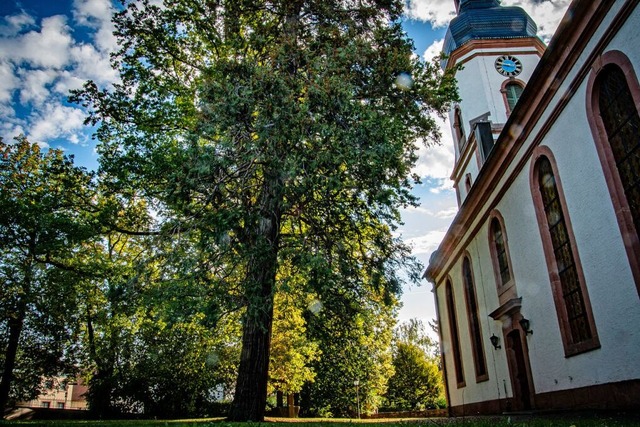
(537, 281)
(60, 393)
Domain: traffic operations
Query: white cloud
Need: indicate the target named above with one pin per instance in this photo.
(41, 61)
(13, 24)
(437, 161)
(96, 14)
(546, 13)
(434, 50)
(426, 243)
(9, 82)
(10, 130)
(449, 213)
(48, 48)
(67, 81)
(442, 185)
(93, 65)
(35, 84)
(56, 121)
(438, 12)
(445, 213)
(91, 12)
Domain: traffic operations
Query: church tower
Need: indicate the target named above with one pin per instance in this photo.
(497, 50)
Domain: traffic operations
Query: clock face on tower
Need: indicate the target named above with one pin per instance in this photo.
(508, 65)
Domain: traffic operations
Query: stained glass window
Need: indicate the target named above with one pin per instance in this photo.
(455, 337)
(578, 322)
(622, 123)
(474, 321)
(500, 252)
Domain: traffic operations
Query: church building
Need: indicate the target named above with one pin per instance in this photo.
(537, 281)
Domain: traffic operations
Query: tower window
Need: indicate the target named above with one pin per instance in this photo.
(459, 128)
(512, 92)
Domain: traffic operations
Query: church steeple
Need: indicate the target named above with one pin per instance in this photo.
(464, 5)
(486, 19)
(498, 48)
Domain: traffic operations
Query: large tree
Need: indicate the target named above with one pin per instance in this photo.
(45, 214)
(417, 381)
(283, 131)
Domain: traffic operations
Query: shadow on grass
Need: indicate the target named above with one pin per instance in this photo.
(530, 420)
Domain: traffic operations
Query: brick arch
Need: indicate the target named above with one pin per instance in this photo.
(623, 215)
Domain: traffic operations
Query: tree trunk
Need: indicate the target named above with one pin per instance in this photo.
(291, 410)
(251, 387)
(15, 330)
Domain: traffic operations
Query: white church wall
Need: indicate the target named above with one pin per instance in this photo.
(470, 167)
(605, 263)
(498, 385)
(608, 278)
(480, 83)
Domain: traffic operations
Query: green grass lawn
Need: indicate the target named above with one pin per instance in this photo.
(503, 421)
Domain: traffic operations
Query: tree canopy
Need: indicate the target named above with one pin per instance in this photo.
(276, 135)
(46, 212)
(417, 382)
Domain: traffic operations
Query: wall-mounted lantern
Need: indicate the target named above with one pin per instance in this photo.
(495, 341)
(526, 326)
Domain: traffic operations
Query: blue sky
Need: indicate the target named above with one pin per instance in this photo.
(48, 47)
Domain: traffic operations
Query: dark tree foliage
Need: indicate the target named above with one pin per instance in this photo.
(45, 214)
(276, 131)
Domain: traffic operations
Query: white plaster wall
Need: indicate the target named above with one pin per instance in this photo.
(498, 385)
(479, 85)
(608, 278)
(471, 167)
(609, 281)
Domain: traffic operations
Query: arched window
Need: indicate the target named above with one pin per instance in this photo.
(455, 336)
(569, 292)
(613, 92)
(500, 245)
(500, 258)
(514, 90)
(459, 128)
(467, 182)
(474, 322)
(511, 91)
(622, 124)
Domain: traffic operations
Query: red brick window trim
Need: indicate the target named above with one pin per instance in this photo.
(570, 295)
(511, 91)
(501, 260)
(475, 329)
(455, 335)
(616, 140)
